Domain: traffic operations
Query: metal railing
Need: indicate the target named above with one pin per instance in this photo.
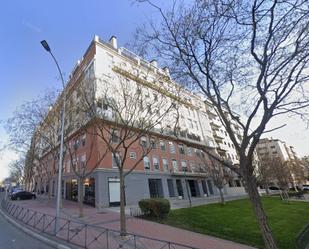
(84, 235)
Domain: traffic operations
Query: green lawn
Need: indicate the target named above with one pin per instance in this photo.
(236, 221)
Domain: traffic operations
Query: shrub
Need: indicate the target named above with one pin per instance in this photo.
(155, 207)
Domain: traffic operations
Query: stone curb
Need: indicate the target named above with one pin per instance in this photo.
(34, 234)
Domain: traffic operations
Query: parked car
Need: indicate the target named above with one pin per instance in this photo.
(274, 188)
(2, 189)
(14, 191)
(22, 195)
(305, 187)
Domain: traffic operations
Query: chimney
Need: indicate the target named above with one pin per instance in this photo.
(166, 71)
(154, 63)
(113, 42)
(96, 38)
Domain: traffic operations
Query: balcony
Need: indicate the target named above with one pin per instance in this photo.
(218, 136)
(215, 124)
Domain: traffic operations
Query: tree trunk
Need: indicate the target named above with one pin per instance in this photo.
(261, 217)
(266, 189)
(49, 189)
(81, 197)
(222, 201)
(123, 227)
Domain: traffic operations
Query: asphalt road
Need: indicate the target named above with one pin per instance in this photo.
(13, 238)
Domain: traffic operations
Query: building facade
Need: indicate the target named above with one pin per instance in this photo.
(172, 169)
(274, 149)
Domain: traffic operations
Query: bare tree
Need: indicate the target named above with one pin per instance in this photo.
(33, 132)
(298, 172)
(16, 169)
(217, 171)
(281, 173)
(246, 55)
(264, 174)
(129, 115)
(83, 164)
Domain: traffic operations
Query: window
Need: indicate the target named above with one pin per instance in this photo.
(83, 161)
(144, 141)
(153, 144)
(184, 166)
(198, 153)
(170, 185)
(181, 149)
(274, 152)
(116, 160)
(146, 163)
(155, 188)
(273, 146)
(162, 145)
(189, 151)
(149, 109)
(76, 144)
(192, 166)
(133, 155)
(175, 166)
(115, 136)
(237, 183)
(179, 187)
(165, 164)
(68, 167)
(156, 164)
(204, 187)
(172, 148)
(196, 125)
(83, 140)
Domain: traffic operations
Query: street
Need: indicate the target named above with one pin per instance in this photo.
(13, 238)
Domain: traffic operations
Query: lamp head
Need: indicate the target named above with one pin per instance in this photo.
(45, 46)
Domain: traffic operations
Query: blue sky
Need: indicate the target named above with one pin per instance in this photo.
(69, 26)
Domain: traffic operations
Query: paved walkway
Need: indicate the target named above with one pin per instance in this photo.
(109, 219)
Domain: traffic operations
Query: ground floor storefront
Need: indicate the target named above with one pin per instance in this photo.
(102, 188)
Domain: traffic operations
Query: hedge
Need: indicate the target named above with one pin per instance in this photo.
(155, 207)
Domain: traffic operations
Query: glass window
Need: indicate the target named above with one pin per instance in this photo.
(116, 160)
(175, 165)
(170, 185)
(144, 141)
(172, 148)
(155, 188)
(184, 166)
(189, 151)
(83, 140)
(192, 166)
(181, 149)
(115, 136)
(153, 144)
(165, 164)
(162, 145)
(146, 163)
(133, 155)
(156, 164)
(83, 160)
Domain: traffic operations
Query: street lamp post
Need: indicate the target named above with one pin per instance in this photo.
(186, 184)
(47, 48)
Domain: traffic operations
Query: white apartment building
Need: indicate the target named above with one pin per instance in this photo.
(169, 170)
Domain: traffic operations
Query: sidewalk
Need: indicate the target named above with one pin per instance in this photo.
(110, 220)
